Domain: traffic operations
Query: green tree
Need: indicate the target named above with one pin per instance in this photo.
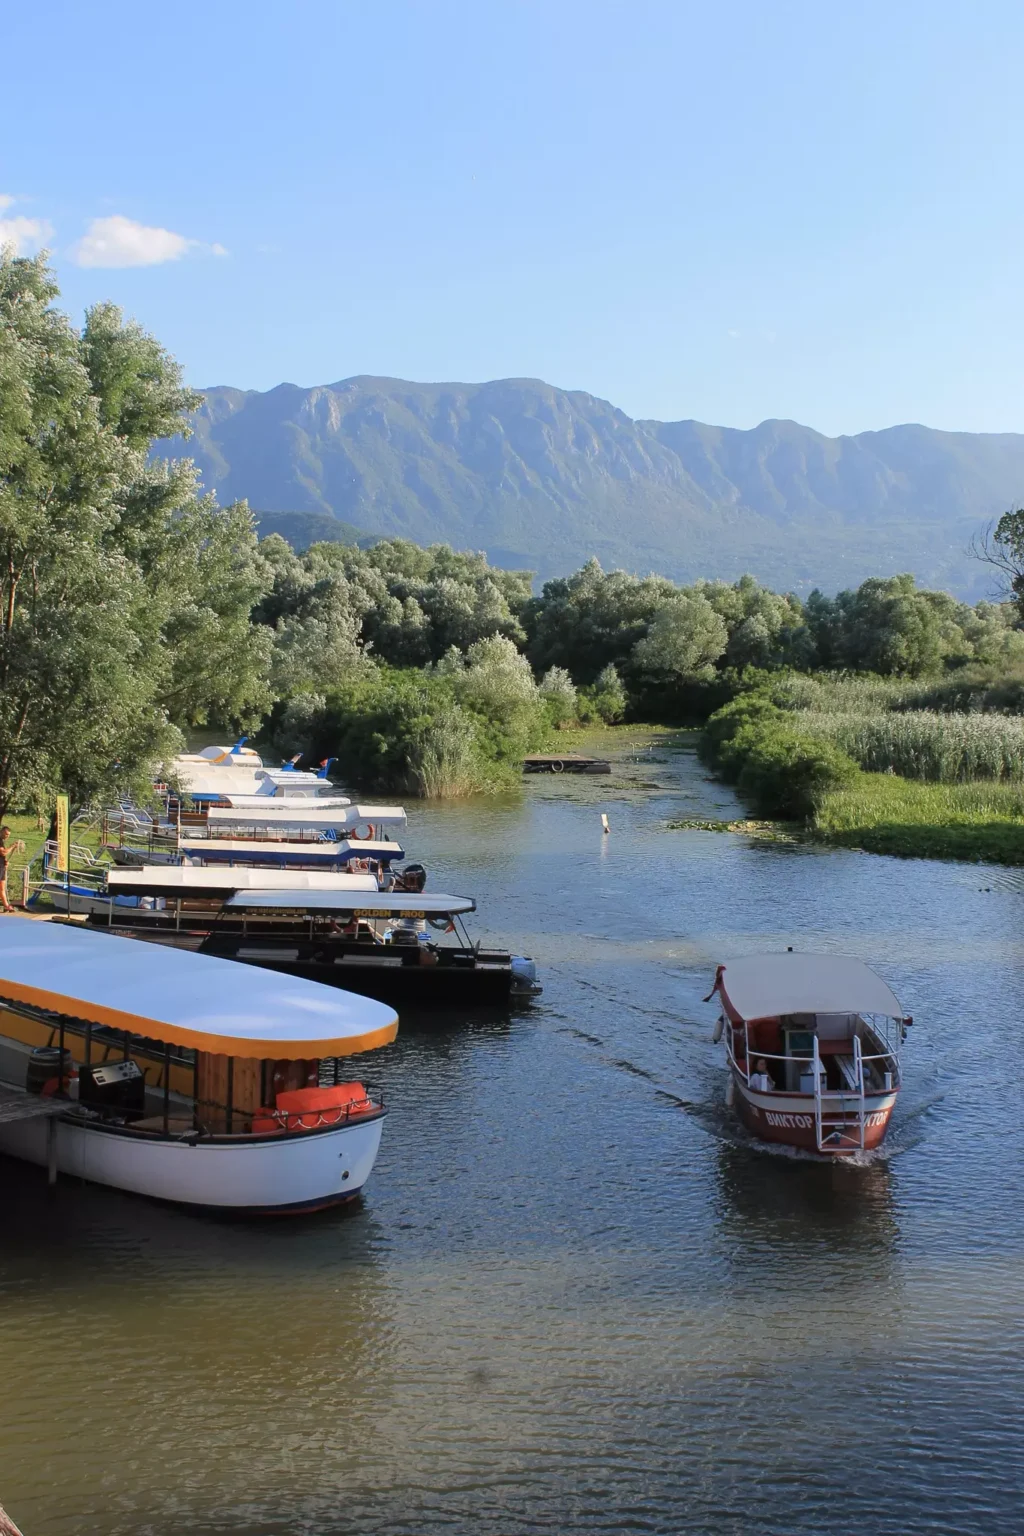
(885, 626)
(1003, 548)
(604, 699)
(685, 639)
(592, 619)
(561, 699)
(117, 584)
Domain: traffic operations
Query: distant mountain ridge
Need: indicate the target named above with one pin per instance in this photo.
(543, 477)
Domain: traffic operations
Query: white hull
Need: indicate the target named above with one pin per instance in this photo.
(280, 1173)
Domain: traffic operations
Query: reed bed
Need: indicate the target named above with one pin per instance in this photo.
(968, 690)
(850, 694)
(924, 744)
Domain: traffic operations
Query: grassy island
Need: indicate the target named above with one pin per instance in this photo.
(879, 764)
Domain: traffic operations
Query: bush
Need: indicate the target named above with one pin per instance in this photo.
(444, 731)
(604, 700)
(784, 772)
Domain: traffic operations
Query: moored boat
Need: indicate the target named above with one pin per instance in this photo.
(812, 1047)
(183, 1077)
(406, 947)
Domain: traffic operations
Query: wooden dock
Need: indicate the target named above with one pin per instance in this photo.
(565, 762)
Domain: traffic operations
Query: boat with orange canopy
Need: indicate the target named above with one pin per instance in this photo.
(184, 1077)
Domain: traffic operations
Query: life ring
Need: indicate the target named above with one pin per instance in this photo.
(368, 836)
(719, 1027)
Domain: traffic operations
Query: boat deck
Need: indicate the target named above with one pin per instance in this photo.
(17, 1104)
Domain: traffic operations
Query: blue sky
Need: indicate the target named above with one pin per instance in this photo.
(730, 212)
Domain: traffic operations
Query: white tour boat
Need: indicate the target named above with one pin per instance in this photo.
(812, 1045)
(183, 1077)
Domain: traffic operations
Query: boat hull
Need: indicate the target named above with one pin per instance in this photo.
(394, 976)
(433, 986)
(788, 1119)
(269, 1175)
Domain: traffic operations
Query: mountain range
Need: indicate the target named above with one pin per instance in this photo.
(543, 478)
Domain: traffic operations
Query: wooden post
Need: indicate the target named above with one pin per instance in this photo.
(25, 892)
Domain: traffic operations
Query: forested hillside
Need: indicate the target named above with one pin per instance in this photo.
(544, 478)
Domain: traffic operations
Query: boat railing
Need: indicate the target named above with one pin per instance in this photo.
(888, 1057)
(744, 1067)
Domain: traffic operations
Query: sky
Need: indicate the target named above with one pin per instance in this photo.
(730, 212)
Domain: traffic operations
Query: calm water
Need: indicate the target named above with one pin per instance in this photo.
(574, 1300)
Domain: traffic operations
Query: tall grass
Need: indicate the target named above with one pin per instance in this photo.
(968, 690)
(882, 813)
(924, 744)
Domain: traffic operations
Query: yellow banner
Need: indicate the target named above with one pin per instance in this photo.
(63, 833)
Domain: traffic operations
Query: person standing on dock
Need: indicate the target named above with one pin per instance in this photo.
(5, 859)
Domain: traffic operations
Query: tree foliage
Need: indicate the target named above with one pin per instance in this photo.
(124, 597)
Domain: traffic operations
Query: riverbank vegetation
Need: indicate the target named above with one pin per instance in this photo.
(133, 609)
(918, 783)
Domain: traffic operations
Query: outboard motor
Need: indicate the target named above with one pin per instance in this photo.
(413, 878)
(524, 975)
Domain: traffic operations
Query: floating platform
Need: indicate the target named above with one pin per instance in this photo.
(567, 762)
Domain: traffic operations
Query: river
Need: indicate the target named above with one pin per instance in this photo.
(574, 1298)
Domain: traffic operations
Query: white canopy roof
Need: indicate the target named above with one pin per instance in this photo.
(280, 848)
(766, 986)
(390, 904)
(309, 815)
(182, 998)
(285, 801)
(203, 778)
(179, 879)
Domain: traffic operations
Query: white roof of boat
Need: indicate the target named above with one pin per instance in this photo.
(227, 877)
(203, 778)
(766, 986)
(396, 903)
(310, 814)
(215, 754)
(281, 848)
(285, 802)
(185, 999)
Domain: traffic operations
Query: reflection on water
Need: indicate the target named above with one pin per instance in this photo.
(576, 1298)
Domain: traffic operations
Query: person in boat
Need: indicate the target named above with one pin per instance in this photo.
(761, 1080)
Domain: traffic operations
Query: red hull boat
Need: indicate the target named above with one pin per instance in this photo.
(812, 1046)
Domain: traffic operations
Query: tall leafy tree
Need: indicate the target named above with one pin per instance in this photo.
(124, 597)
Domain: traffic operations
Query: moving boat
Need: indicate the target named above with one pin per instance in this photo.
(401, 946)
(811, 1042)
(182, 1077)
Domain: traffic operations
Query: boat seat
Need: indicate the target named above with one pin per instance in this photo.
(847, 1072)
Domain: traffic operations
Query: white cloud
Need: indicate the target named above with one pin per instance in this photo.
(26, 235)
(120, 242)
